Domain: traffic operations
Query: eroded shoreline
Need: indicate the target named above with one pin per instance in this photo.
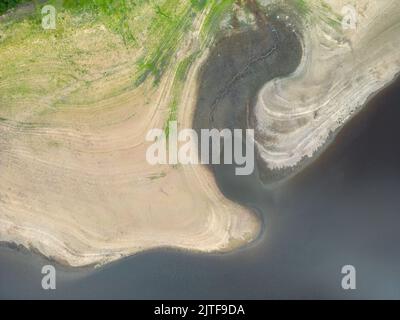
(82, 228)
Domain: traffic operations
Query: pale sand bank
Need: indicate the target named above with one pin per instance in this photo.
(340, 70)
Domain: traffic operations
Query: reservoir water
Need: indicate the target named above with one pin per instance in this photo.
(342, 209)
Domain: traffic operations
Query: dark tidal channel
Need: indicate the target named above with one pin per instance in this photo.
(343, 208)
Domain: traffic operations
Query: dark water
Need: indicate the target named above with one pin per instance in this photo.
(342, 209)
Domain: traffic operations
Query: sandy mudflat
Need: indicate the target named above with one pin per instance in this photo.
(341, 68)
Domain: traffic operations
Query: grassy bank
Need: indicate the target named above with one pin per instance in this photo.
(99, 49)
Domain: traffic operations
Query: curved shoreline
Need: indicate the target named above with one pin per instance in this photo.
(156, 207)
(339, 72)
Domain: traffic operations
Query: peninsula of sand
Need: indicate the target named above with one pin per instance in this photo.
(75, 182)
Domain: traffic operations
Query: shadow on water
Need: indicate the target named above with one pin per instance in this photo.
(342, 209)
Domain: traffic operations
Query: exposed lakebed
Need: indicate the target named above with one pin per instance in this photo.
(342, 209)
